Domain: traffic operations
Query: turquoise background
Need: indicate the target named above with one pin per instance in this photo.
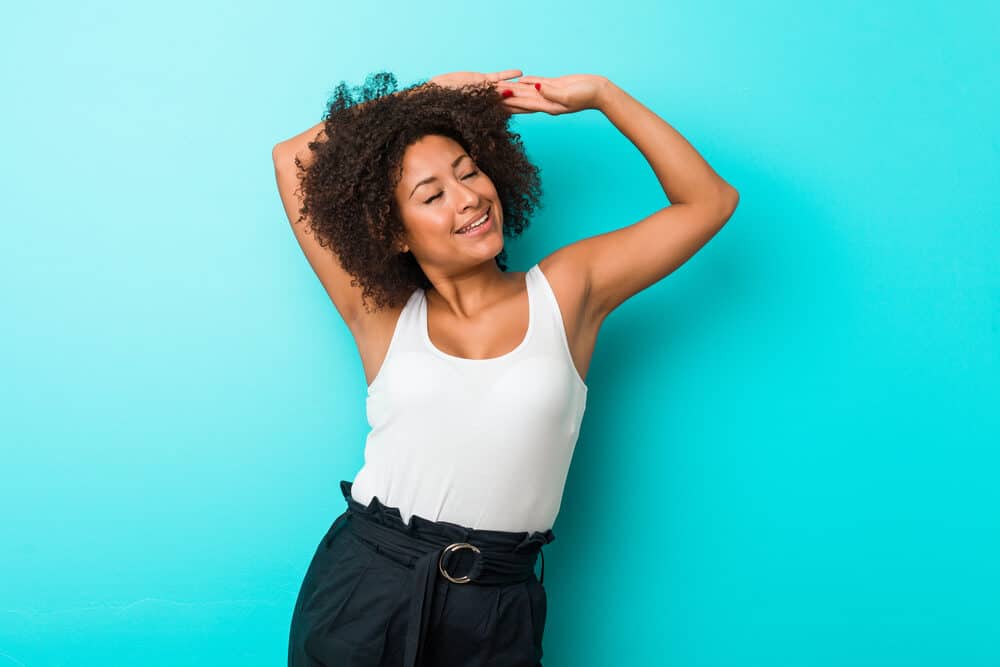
(790, 454)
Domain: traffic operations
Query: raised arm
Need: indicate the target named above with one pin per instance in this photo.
(618, 264)
(324, 262)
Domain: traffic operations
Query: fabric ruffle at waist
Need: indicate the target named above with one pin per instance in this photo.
(422, 527)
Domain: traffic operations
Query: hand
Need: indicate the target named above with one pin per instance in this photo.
(460, 79)
(559, 95)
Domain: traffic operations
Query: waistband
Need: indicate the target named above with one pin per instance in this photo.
(426, 546)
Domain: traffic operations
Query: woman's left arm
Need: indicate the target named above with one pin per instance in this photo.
(619, 264)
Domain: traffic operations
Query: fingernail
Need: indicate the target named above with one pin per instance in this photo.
(507, 93)
(538, 86)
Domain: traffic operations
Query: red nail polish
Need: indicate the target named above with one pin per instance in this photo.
(538, 86)
(507, 93)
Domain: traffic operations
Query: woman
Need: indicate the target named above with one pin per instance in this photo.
(475, 374)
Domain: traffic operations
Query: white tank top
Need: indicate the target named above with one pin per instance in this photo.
(484, 443)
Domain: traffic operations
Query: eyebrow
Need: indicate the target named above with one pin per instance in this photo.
(434, 178)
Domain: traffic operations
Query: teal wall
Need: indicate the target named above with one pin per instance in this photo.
(790, 455)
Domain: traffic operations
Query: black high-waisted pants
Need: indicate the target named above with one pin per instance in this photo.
(377, 594)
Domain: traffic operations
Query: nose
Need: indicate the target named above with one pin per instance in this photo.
(468, 198)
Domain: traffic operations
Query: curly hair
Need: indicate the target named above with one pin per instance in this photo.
(348, 188)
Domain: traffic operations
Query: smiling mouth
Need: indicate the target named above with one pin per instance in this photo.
(483, 219)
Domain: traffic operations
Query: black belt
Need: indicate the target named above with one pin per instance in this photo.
(501, 557)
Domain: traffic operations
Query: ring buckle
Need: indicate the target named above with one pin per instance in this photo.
(455, 547)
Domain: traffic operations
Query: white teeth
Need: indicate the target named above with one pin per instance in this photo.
(475, 224)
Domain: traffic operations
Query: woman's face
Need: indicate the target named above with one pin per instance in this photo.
(440, 191)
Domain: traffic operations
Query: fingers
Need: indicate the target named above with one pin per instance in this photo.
(525, 104)
(517, 88)
(520, 90)
(505, 74)
(535, 82)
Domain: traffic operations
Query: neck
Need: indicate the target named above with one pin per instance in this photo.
(467, 293)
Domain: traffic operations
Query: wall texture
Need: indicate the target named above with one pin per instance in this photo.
(790, 452)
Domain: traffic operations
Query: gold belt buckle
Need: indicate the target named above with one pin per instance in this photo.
(455, 547)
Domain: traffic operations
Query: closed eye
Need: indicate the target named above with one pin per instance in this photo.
(470, 175)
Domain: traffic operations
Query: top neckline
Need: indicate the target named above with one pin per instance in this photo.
(444, 355)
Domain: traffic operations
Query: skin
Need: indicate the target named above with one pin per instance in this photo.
(466, 280)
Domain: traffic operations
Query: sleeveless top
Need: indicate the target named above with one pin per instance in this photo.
(483, 443)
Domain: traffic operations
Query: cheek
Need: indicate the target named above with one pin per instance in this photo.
(432, 225)
(423, 221)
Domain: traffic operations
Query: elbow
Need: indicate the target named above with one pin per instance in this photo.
(731, 195)
(729, 199)
(283, 157)
(278, 152)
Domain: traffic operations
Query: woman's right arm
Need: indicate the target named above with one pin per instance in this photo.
(299, 144)
(324, 262)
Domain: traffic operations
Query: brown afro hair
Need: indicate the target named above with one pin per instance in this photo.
(348, 189)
